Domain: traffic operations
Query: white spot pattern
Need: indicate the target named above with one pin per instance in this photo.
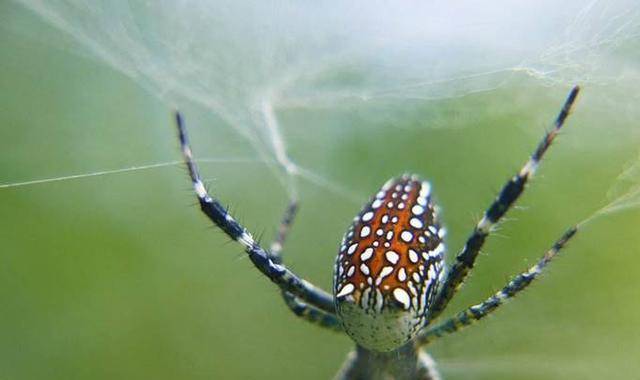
(392, 257)
(346, 290)
(402, 296)
(416, 223)
(397, 219)
(406, 236)
(413, 256)
(366, 254)
(402, 275)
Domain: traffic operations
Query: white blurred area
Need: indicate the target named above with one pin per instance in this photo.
(244, 61)
(240, 53)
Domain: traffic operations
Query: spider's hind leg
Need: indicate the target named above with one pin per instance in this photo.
(312, 314)
(481, 310)
(299, 308)
(289, 216)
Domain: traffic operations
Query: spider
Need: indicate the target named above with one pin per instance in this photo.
(390, 282)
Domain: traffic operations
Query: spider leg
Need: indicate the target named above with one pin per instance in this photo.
(408, 362)
(275, 250)
(299, 308)
(277, 273)
(349, 368)
(427, 368)
(312, 314)
(508, 195)
(479, 311)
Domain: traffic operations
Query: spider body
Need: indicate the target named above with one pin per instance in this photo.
(389, 265)
(389, 280)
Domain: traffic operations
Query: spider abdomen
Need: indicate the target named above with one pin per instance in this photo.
(389, 265)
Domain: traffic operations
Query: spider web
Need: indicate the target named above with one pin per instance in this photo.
(242, 62)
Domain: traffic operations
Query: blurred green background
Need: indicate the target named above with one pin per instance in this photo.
(119, 276)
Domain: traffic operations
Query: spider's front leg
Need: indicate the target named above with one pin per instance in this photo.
(508, 195)
(277, 273)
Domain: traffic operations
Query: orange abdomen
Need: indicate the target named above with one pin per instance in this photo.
(389, 265)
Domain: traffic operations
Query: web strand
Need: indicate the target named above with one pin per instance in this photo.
(117, 171)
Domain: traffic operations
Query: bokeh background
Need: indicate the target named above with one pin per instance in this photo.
(117, 275)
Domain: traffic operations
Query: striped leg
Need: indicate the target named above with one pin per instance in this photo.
(277, 273)
(299, 308)
(515, 286)
(312, 314)
(507, 197)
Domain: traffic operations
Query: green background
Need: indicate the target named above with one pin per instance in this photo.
(119, 276)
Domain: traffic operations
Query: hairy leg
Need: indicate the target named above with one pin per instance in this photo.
(299, 308)
(479, 311)
(508, 195)
(277, 273)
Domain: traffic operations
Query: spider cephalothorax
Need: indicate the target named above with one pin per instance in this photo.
(389, 277)
(389, 265)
